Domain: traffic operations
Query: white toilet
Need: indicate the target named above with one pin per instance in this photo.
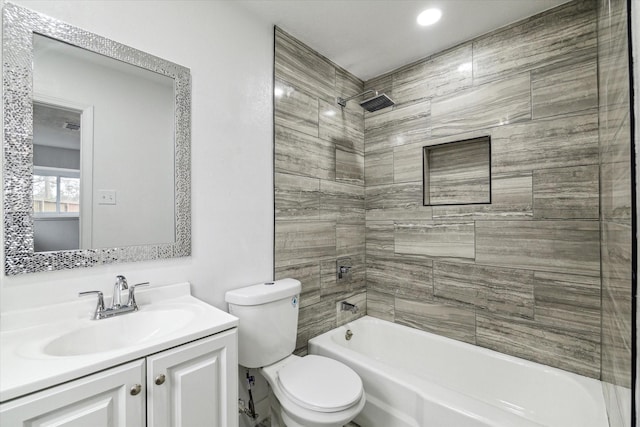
(310, 391)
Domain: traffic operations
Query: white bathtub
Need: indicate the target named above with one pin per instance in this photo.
(418, 379)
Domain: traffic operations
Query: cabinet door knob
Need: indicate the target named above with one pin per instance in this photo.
(160, 379)
(136, 389)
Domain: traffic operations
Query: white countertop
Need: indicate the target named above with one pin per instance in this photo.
(25, 368)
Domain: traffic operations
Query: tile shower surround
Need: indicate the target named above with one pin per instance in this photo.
(521, 275)
(319, 184)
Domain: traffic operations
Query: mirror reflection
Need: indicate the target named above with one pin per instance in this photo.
(56, 178)
(103, 170)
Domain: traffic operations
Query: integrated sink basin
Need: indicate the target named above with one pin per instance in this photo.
(54, 344)
(117, 332)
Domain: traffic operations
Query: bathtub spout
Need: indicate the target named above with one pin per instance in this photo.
(345, 306)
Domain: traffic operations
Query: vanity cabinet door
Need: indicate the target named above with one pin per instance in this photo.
(111, 398)
(195, 384)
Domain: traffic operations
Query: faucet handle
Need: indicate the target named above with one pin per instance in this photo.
(132, 294)
(99, 306)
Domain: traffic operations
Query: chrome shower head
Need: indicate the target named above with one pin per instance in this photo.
(377, 102)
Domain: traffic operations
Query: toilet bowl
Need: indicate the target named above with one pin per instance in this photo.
(313, 391)
(309, 391)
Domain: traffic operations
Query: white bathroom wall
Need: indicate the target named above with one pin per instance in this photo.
(230, 55)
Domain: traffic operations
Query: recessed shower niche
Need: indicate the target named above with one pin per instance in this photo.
(457, 173)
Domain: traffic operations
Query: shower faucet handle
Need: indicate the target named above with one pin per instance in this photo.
(343, 270)
(343, 267)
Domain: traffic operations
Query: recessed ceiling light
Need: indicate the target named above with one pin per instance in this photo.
(429, 17)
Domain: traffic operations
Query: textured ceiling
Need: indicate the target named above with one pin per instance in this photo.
(371, 37)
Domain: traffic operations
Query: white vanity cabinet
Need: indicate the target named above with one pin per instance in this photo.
(103, 399)
(194, 384)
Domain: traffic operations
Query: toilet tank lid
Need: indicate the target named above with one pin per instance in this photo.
(264, 292)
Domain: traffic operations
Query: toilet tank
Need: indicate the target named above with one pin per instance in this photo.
(268, 325)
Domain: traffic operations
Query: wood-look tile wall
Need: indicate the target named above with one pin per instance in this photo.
(319, 184)
(615, 210)
(521, 275)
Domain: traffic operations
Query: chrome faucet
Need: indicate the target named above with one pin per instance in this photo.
(121, 285)
(345, 306)
(116, 307)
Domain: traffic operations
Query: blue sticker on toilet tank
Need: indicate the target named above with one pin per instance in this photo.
(294, 301)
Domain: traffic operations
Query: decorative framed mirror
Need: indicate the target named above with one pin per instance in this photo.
(96, 149)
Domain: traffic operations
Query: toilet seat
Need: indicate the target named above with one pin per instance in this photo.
(320, 384)
(295, 413)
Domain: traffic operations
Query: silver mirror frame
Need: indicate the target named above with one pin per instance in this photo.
(19, 24)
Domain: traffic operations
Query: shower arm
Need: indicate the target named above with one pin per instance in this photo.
(343, 101)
